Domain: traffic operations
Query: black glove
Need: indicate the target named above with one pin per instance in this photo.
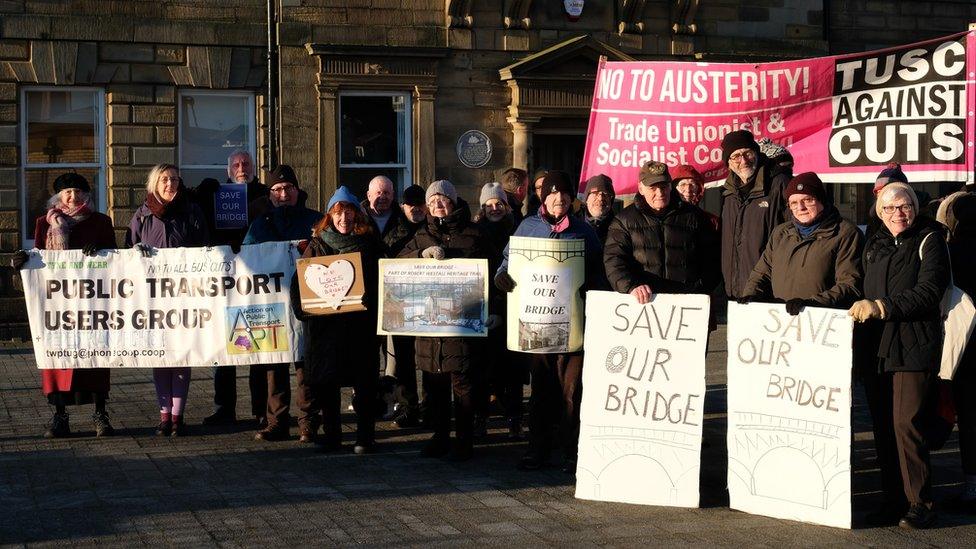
(90, 250)
(744, 299)
(504, 281)
(793, 306)
(144, 249)
(18, 259)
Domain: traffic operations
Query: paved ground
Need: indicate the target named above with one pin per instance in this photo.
(220, 487)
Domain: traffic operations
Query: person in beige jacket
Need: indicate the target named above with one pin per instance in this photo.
(812, 259)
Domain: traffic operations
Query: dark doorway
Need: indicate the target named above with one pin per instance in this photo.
(558, 152)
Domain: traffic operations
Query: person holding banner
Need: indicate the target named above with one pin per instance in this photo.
(556, 389)
(661, 244)
(508, 373)
(343, 350)
(450, 364)
(229, 230)
(284, 219)
(906, 273)
(71, 224)
(813, 259)
(752, 206)
(168, 219)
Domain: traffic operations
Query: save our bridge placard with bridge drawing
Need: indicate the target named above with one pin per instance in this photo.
(789, 406)
(643, 399)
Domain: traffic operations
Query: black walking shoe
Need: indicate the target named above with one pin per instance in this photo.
(220, 417)
(102, 427)
(58, 426)
(406, 417)
(918, 517)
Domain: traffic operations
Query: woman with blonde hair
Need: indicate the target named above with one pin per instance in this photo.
(168, 219)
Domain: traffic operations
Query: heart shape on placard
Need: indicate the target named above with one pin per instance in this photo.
(330, 283)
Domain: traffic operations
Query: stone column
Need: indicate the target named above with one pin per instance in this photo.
(328, 143)
(424, 143)
(522, 140)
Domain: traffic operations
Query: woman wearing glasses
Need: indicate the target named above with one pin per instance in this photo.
(812, 259)
(906, 272)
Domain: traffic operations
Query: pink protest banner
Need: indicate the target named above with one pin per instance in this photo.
(843, 117)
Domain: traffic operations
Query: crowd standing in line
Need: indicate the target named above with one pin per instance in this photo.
(779, 238)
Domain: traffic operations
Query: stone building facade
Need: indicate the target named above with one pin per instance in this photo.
(111, 87)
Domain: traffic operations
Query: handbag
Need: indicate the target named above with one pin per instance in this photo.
(959, 319)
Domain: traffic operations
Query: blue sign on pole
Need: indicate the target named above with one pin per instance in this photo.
(230, 207)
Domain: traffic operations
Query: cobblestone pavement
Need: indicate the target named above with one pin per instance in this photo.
(220, 487)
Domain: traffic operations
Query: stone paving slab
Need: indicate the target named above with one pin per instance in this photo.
(219, 487)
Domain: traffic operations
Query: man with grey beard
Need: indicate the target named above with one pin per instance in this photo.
(752, 205)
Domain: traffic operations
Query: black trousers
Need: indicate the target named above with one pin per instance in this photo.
(555, 402)
(365, 384)
(964, 395)
(439, 388)
(406, 371)
(271, 392)
(901, 405)
(225, 389)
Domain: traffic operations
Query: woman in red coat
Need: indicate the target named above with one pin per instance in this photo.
(71, 224)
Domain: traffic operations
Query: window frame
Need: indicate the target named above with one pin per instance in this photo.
(251, 145)
(101, 186)
(407, 165)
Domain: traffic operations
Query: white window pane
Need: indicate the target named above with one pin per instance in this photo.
(212, 126)
(61, 127)
(373, 129)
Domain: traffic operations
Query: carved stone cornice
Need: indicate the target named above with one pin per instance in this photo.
(376, 67)
(457, 14)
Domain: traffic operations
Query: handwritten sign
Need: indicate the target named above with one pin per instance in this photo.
(230, 207)
(545, 310)
(643, 399)
(789, 402)
(331, 284)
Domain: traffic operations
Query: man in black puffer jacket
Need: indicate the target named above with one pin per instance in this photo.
(661, 244)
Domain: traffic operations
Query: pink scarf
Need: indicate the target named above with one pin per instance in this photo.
(60, 222)
(556, 225)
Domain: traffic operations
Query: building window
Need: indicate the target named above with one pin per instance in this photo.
(62, 131)
(374, 139)
(213, 125)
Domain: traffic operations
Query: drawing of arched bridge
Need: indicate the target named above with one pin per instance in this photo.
(788, 459)
(639, 465)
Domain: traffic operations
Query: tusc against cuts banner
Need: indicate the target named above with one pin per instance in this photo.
(789, 402)
(180, 307)
(643, 399)
(842, 117)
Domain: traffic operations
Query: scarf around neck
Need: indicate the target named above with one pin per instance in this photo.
(556, 225)
(61, 222)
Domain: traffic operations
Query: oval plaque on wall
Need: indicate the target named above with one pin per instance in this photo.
(474, 149)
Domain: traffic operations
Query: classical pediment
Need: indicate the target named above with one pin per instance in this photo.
(573, 59)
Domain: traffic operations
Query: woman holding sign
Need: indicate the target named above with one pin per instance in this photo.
(70, 224)
(906, 273)
(343, 349)
(168, 219)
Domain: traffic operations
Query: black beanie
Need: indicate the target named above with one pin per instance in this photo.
(739, 139)
(599, 183)
(414, 195)
(283, 173)
(71, 181)
(557, 181)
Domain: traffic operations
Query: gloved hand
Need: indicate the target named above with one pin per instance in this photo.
(744, 299)
(433, 252)
(793, 306)
(144, 249)
(90, 250)
(643, 293)
(864, 310)
(18, 259)
(493, 321)
(504, 281)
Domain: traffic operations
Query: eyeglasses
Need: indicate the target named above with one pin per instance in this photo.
(904, 208)
(282, 189)
(807, 202)
(738, 157)
(167, 179)
(601, 194)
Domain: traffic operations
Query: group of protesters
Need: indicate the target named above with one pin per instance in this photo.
(779, 238)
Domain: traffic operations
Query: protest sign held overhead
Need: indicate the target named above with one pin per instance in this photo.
(180, 307)
(840, 116)
(545, 312)
(789, 401)
(643, 399)
(429, 297)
